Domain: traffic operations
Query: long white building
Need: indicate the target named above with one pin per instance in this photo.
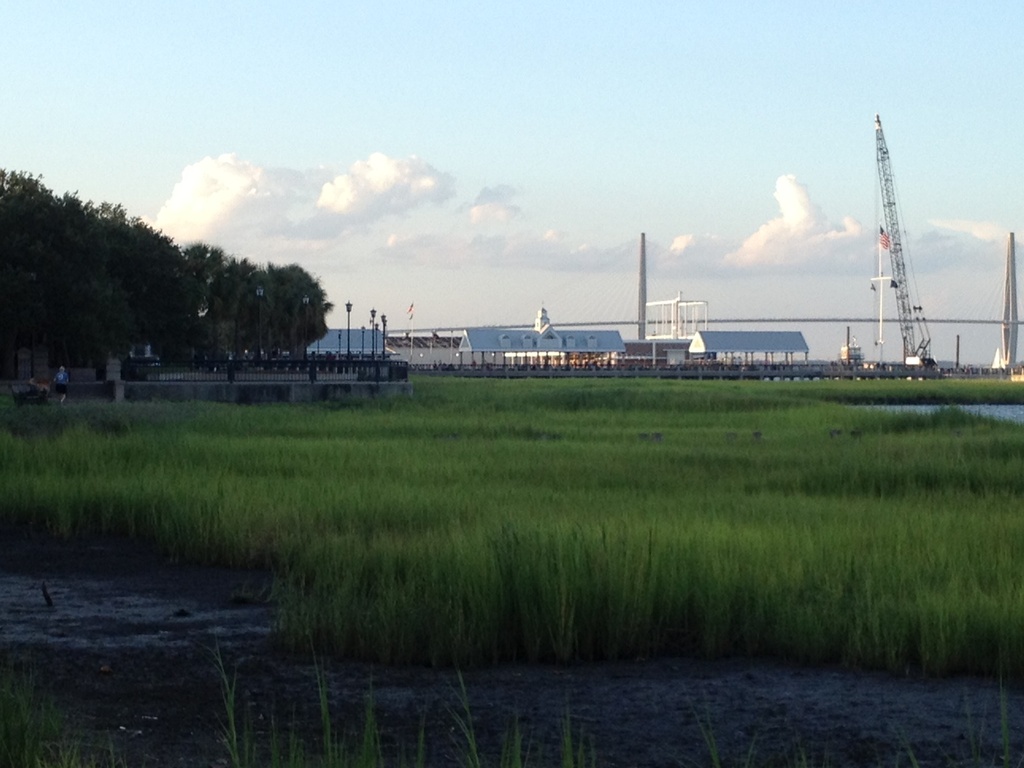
(749, 347)
(541, 345)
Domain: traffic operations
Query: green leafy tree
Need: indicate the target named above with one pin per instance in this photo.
(24, 205)
(59, 292)
(162, 294)
(88, 281)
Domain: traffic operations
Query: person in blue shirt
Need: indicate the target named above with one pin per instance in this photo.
(60, 383)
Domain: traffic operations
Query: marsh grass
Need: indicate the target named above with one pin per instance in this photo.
(484, 521)
(362, 748)
(30, 735)
(29, 725)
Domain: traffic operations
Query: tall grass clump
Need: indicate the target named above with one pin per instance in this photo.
(30, 726)
(482, 521)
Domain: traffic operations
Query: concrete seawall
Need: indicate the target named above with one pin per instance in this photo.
(246, 392)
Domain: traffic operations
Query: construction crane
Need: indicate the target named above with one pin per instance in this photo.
(914, 352)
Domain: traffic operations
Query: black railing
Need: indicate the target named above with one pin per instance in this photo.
(323, 369)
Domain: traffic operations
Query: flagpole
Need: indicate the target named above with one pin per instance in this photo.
(412, 339)
(880, 341)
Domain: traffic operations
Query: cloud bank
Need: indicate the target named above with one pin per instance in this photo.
(263, 212)
(228, 198)
(385, 227)
(982, 230)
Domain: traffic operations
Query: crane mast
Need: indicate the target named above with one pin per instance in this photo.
(913, 351)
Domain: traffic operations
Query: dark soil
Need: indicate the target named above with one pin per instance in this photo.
(128, 651)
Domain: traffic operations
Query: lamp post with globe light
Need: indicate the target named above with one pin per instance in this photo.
(348, 330)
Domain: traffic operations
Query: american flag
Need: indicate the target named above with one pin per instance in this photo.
(409, 310)
(883, 238)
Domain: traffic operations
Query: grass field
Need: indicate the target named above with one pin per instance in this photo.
(483, 521)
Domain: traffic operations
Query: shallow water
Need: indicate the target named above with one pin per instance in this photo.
(1013, 413)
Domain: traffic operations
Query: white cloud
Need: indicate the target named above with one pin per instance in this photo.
(801, 236)
(681, 242)
(944, 250)
(425, 249)
(690, 254)
(232, 201)
(382, 185)
(983, 230)
(208, 192)
(242, 206)
(479, 214)
(494, 204)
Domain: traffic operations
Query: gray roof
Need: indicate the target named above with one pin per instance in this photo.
(434, 341)
(749, 341)
(529, 341)
(339, 341)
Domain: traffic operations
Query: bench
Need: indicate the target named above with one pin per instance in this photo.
(29, 394)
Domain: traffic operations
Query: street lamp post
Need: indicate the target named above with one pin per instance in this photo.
(362, 341)
(348, 330)
(373, 336)
(259, 323)
(373, 355)
(383, 340)
(305, 327)
(339, 351)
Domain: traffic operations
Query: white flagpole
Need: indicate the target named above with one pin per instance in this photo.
(412, 338)
(880, 341)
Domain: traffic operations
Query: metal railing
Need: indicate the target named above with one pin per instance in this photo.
(322, 369)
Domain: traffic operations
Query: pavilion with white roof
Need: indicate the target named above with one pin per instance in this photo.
(541, 345)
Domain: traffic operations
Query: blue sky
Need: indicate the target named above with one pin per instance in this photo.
(478, 159)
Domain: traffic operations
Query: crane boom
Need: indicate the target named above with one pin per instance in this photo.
(912, 349)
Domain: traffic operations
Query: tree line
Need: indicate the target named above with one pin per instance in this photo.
(88, 281)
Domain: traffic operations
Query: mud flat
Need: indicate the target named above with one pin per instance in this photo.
(128, 651)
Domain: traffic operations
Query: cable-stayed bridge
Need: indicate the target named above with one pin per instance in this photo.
(749, 321)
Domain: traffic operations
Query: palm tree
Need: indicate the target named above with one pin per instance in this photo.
(294, 323)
